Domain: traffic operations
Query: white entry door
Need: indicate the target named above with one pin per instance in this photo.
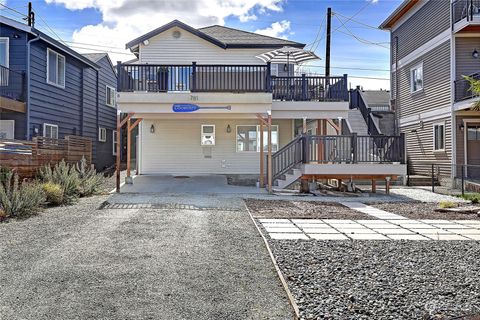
(7, 129)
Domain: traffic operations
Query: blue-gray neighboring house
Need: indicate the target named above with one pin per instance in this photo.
(47, 89)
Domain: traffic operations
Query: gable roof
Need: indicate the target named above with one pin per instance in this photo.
(97, 56)
(23, 27)
(376, 98)
(223, 37)
(235, 38)
(396, 15)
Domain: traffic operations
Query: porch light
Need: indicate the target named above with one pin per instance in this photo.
(461, 126)
(229, 129)
(152, 129)
(475, 54)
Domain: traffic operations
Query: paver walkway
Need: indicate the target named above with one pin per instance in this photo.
(388, 226)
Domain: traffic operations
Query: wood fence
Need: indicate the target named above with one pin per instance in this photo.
(26, 157)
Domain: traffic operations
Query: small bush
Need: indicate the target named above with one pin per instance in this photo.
(91, 182)
(53, 193)
(447, 204)
(473, 197)
(18, 199)
(64, 175)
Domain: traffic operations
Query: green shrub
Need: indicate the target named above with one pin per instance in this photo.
(90, 182)
(18, 199)
(3, 174)
(473, 197)
(64, 175)
(53, 193)
(447, 204)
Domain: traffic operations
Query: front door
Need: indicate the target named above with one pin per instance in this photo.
(473, 151)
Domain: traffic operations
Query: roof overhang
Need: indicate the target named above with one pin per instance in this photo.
(398, 14)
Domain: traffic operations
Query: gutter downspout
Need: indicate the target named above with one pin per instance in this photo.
(28, 136)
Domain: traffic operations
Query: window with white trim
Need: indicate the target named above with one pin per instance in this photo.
(110, 98)
(114, 142)
(102, 134)
(439, 137)
(4, 63)
(50, 130)
(248, 138)
(55, 68)
(416, 78)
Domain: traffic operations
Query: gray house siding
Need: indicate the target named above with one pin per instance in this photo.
(436, 83)
(428, 22)
(465, 64)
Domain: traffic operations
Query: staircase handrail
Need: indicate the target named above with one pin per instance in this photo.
(287, 157)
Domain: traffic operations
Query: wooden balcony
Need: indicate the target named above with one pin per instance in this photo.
(466, 16)
(463, 90)
(229, 78)
(12, 90)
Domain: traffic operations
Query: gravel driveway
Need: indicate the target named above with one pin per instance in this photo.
(172, 263)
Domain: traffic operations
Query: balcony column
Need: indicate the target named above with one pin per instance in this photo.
(270, 171)
(130, 128)
(120, 124)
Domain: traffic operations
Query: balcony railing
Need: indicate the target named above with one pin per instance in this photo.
(12, 84)
(463, 90)
(229, 78)
(465, 9)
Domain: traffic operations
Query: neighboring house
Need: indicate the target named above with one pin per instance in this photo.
(434, 44)
(218, 67)
(47, 89)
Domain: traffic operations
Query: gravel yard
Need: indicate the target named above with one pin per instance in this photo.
(423, 210)
(382, 279)
(302, 209)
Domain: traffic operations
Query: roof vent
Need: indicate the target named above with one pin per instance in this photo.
(176, 34)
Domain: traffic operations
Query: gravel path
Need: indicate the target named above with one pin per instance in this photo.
(423, 210)
(78, 262)
(418, 194)
(381, 279)
(302, 209)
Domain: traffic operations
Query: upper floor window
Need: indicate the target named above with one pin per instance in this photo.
(55, 68)
(416, 78)
(439, 137)
(50, 131)
(4, 52)
(110, 96)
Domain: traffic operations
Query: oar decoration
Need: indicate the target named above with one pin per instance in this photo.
(190, 107)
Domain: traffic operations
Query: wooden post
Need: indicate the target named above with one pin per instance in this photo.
(374, 186)
(304, 126)
(387, 185)
(129, 141)
(270, 171)
(262, 157)
(320, 142)
(119, 128)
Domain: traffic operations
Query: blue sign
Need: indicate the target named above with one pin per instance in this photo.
(190, 107)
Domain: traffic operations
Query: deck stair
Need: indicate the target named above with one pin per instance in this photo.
(287, 179)
(357, 122)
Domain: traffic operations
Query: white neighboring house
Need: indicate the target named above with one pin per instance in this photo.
(216, 68)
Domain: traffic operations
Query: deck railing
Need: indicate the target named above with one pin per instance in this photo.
(229, 78)
(463, 90)
(12, 84)
(465, 9)
(358, 102)
(351, 149)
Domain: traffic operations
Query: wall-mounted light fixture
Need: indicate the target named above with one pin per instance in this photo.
(15, 36)
(475, 54)
(152, 129)
(229, 129)
(461, 126)
(146, 42)
(421, 124)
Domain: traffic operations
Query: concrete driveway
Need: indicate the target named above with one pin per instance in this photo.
(203, 184)
(175, 259)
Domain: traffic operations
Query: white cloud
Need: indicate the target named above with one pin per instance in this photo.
(124, 20)
(278, 29)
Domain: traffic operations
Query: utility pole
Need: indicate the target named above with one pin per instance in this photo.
(327, 49)
(30, 16)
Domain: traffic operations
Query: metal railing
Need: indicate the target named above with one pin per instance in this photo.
(192, 78)
(310, 88)
(465, 9)
(229, 78)
(357, 102)
(462, 88)
(338, 149)
(12, 84)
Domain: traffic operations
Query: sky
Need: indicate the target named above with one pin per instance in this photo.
(359, 48)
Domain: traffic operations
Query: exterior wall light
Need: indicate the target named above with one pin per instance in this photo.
(229, 129)
(152, 129)
(475, 54)
(461, 126)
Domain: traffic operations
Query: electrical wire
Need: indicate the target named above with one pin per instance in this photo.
(318, 38)
(14, 10)
(347, 68)
(362, 40)
(356, 21)
(98, 50)
(51, 30)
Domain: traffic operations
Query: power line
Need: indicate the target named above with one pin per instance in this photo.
(347, 68)
(106, 51)
(372, 78)
(356, 21)
(46, 24)
(350, 33)
(355, 14)
(318, 38)
(94, 45)
(14, 10)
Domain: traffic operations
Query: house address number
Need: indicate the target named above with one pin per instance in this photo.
(193, 98)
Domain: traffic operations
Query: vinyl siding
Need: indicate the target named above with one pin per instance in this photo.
(436, 83)
(428, 22)
(420, 148)
(465, 63)
(164, 49)
(175, 147)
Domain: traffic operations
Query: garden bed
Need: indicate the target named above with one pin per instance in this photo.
(382, 279)
(302, 209)
(422, 210)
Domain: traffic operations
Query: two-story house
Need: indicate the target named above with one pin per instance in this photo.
(47, 89)
(206, 104)
(433, 45)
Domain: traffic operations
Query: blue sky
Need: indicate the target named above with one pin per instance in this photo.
(103, 23)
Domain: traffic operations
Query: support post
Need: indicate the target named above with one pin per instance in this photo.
(193, 85)
(129, 142)
(387, 185)
(117, 173)
(433, 177)
(463, 180)
(262, 158)
(270, 178)
(304, 125)
(374, 186)
(327, 44)
(320, 142)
